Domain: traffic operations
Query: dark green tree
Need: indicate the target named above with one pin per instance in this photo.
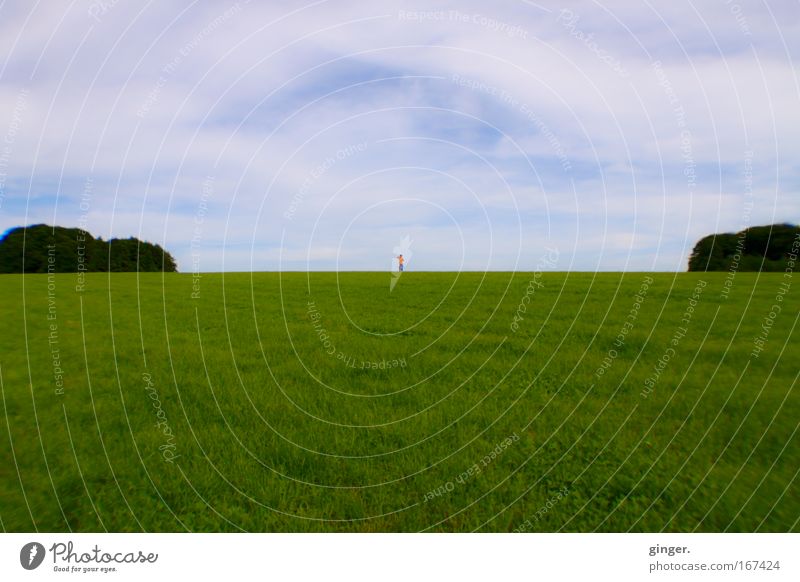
(759, 248)
(41, 248)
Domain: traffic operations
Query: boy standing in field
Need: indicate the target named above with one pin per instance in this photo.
(400, 261)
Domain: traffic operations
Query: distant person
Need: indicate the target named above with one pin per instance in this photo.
(400, 261)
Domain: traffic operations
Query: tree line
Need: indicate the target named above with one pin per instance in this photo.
(759, 248)
(41, 248)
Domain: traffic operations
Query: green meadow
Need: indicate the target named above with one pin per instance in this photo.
(330, 402)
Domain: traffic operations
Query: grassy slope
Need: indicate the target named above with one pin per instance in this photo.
(274, 434)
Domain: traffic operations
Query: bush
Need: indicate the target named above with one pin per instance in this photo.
(34, 248)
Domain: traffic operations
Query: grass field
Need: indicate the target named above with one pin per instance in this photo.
(455, 402)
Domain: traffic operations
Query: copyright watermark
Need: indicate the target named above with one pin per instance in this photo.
(487, 22)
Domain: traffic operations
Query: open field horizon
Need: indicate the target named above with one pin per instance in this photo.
(441, 401)
(384, 267)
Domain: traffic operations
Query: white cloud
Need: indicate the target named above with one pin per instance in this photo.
(151, 101)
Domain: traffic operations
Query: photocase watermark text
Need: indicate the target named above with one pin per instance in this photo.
(679, 333)
(630, 319)
(569, 20)
(318, 172)
(197, 235)
(344, 358)
(742, 234)
(527, 525)
(52, 321)
(760, 341)
(546, 261)
(10, 138)
(511, 101)
(473, 470)
(492, 24)
(170, 68)
(168, 448)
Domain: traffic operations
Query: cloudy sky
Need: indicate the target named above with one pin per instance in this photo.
(294, 135)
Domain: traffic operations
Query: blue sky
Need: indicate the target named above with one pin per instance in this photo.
(318, 135)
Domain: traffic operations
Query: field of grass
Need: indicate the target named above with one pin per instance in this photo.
(454, 402)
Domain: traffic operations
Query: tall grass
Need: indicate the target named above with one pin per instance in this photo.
(454, 402)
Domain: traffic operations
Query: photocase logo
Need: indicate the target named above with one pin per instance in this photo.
(31, 555)
(401, 257)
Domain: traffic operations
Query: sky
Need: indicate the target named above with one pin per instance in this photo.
(327, 135)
